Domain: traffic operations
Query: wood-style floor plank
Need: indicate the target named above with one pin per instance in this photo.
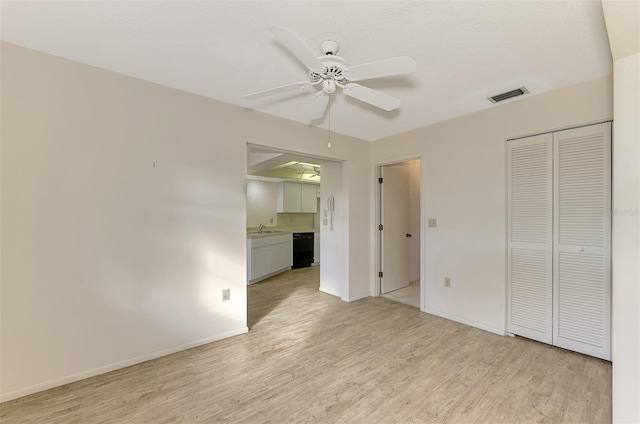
(309, 357)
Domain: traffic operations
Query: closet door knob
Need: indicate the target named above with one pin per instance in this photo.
(580, 249)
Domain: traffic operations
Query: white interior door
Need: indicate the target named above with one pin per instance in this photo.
(529, 237)
(582, 240)
(394, 195)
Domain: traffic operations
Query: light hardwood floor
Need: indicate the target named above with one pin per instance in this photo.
(309, 357)
(409, 295)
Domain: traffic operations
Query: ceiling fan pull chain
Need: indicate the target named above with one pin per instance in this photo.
(329, 143)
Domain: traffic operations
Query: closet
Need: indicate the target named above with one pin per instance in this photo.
(559, 238)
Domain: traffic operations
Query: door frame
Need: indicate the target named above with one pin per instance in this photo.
(375, 220)
(343, 290)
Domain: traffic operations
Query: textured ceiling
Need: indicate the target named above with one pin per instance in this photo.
(465, 50)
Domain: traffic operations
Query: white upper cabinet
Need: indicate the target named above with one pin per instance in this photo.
(289, 197)
(296, 197)
(309, 199)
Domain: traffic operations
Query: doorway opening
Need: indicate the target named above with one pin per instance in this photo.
(399, 230)
(285, 216)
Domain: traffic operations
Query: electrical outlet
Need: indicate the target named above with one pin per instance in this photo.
(447, 281)
(226, 294)
(432, 223)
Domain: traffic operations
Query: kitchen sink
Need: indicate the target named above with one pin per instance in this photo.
(269, 232)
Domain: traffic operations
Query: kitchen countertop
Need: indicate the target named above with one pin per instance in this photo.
(252, 233)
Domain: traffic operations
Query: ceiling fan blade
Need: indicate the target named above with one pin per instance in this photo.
(382, 68)
(318, 106)
(373, 97)
(296, 46)
(276, 90)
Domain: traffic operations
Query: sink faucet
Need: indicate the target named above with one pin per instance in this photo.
(261, 227)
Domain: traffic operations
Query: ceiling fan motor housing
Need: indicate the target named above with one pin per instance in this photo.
(329, 47)
(332, 73)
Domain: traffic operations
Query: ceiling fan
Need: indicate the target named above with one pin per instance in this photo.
(331, 72)
(308, 169)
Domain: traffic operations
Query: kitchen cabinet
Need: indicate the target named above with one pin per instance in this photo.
(309, 200)
(296, 197)
(267, 256)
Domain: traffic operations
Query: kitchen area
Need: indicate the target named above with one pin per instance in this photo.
(287, 234)
(283, 214)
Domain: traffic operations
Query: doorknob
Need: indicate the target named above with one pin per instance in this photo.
(408, 235)
(580, 249)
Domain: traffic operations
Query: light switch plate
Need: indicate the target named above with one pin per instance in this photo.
(432, 223)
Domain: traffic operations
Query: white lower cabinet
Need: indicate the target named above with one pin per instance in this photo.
(267, 256)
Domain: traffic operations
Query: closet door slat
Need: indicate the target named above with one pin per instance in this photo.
(530, 241)
(582, 240)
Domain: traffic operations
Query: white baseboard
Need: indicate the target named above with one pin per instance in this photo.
(355, 297)
(498, 331)
(264, 277)
(4, 397)
(323, 290)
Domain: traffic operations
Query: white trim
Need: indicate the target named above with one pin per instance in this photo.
(374, 248)
(346, 196)
(570, 127)
(264, 277)
(498, 331)
(4, 397)
(353, 298)
(332, 293)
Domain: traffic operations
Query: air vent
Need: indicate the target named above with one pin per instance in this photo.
(509, 94)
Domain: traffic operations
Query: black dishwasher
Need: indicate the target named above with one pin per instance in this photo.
(302, 250)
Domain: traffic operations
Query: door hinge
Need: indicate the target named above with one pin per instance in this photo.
(380, 227)
(380, 180)
(380, 274)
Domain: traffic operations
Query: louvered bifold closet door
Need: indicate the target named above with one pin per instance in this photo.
(529, 237)
(582, 240)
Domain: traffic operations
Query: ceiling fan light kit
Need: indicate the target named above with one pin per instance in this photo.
(332, 72)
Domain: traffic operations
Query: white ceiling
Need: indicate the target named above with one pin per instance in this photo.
(465, 50)
(266, 162)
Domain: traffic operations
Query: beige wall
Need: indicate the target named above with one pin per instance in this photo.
(464, 188)
(333, 235)
(626, 240)
(623, 27)
(109, 260)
